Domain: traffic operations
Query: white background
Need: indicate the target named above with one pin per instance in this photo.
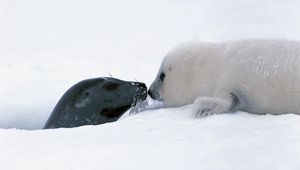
(47, 46)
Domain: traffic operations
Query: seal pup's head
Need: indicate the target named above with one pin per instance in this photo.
(182, 72)
(167, 86)
(96, 101)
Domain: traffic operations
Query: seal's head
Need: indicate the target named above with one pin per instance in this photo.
(175, 83)
(168, 83)
(96, 101)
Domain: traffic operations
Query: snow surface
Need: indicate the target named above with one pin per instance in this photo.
(160, 139)
(47, 46)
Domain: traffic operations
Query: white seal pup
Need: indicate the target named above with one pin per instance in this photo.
(256, 76)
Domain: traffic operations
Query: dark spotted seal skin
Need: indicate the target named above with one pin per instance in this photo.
(95, 101)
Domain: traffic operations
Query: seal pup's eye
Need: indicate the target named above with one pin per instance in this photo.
(162, 76)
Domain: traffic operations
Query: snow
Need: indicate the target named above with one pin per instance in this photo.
(160, 139)
(47, 46)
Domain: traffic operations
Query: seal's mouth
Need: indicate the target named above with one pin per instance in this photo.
(147, 104)
(114, 112)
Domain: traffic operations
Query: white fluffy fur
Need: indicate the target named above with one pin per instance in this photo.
(263, 74)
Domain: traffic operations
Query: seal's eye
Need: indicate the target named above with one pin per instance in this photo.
(162, 76)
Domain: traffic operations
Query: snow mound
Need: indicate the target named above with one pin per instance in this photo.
(160, 139)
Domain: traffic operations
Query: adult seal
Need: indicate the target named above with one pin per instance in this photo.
(256, 76)
(96, 101)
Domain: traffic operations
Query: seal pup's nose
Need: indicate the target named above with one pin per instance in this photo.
(154, 95)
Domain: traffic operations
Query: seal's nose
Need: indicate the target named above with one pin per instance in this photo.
(141, 90)
(151, 94)
(154, 95)
(142, 85)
